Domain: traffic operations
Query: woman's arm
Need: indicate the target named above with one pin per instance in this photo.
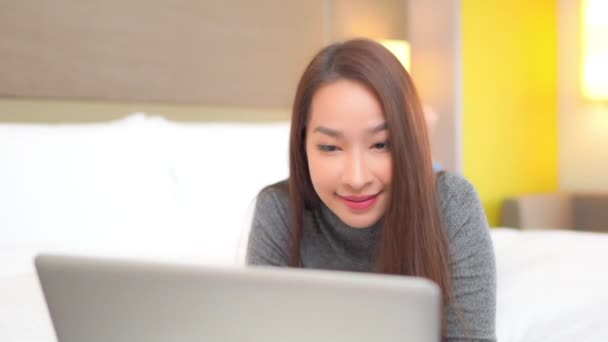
(473, 265)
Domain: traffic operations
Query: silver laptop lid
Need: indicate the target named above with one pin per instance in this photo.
(124, 301)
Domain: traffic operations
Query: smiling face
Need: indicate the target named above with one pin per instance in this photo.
(348, 152)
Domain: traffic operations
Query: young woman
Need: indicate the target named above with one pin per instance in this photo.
(362, 194)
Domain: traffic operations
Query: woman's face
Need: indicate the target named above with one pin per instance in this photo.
(348, 152)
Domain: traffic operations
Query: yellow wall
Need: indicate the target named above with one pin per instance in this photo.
(510, 98)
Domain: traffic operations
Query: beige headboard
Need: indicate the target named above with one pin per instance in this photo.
(229, 53)
(193, 60)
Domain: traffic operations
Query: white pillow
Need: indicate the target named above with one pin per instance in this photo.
(94, 188)
(139, 187)
(219, 169)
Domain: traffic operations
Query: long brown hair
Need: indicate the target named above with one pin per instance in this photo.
(413, 240)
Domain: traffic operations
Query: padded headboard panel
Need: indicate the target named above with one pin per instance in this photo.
(229, 53)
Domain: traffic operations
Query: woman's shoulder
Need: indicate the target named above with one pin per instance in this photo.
(454, 188)
(273, 199)
(460, 203)
(452, 183)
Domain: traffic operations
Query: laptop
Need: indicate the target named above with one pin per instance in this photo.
(93, 300)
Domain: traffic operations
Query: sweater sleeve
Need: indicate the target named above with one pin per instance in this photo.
(269, 237)
(473, 265)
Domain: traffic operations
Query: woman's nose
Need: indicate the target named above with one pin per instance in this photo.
(356, 173)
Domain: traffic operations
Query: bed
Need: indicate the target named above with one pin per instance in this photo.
(146, 188)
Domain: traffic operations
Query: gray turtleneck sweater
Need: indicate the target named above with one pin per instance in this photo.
(330, 244)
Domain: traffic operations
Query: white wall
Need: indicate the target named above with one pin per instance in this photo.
(583, 125)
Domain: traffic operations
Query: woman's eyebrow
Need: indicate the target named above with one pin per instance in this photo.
(337, 134)
(328, 131)
(381, 127)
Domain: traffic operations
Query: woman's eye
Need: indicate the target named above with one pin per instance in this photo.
(381, 145)
(328, 148)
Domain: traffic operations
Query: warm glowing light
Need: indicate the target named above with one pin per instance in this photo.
(401, 49)
(595, 49)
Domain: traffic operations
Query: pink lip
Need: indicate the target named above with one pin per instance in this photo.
(359, 202)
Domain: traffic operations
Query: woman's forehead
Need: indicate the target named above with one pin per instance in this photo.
(346, 105)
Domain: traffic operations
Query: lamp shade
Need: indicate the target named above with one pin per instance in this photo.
(595, 49)
(401, 49)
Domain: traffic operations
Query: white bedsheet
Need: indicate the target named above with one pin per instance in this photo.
(552, 286)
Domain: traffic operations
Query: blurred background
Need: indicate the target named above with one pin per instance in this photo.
(145, 129)
(518, 87)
